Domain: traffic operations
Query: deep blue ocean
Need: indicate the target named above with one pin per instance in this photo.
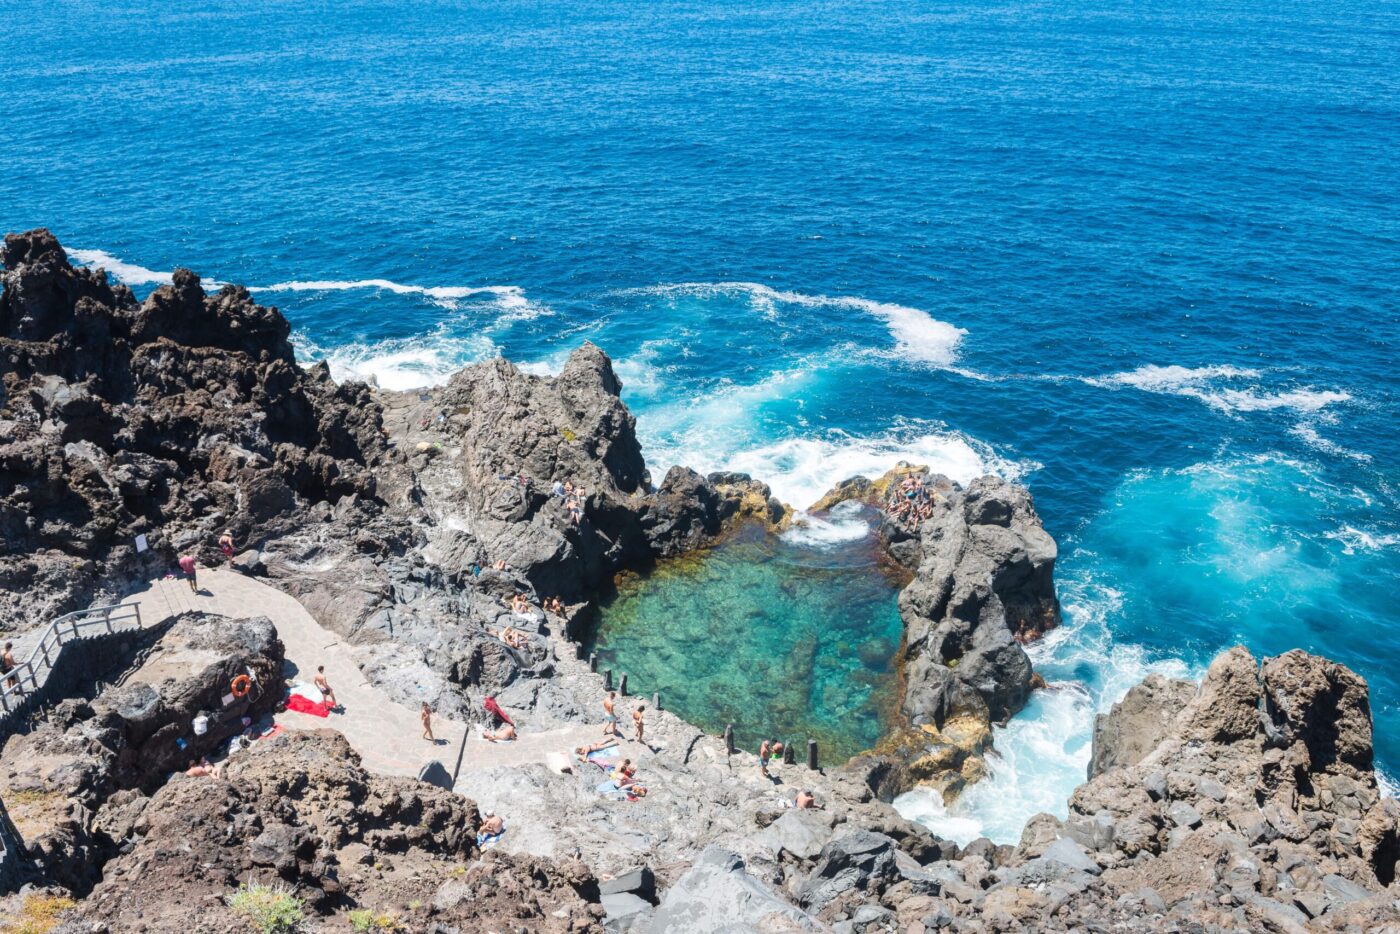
(1142, 256)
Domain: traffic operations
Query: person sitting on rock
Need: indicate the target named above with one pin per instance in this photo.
(504, 735)
(558, 489)
(625, 774)
(807, 801)
(575, 510)
(492, 824)
(203, 768)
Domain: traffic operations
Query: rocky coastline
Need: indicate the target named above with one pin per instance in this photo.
(406, 522)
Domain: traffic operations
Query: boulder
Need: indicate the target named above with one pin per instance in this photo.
(717, 896)
(854, 859)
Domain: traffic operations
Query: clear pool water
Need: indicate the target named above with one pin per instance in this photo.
(778, 636)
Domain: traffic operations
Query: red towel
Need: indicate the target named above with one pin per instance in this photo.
(495, 708)
(306, 705)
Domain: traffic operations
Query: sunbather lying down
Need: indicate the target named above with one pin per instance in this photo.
(605, 744)
(203, 768)
(512, 637)
(505, 734)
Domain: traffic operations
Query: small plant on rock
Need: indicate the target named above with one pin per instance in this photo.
(268, 909)
(39, 914)
(363, 920)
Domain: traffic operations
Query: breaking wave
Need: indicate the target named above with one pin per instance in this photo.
(919, 337)
(1219, 387)
(399, 363)
(124, 272)
(510, 299)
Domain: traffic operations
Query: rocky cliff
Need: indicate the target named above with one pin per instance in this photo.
(176, 418)
(406, 521)
(982, 584)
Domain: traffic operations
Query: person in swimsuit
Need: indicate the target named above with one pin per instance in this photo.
(638, 721)
(7, 665)
(492, 825)
(187, 565)
(610, 716)
(226, 544)
(765, 750)
(505, 734)
(324, 686)
(427, 717)
(204, 769)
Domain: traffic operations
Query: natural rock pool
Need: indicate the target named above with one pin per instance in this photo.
(788, 637)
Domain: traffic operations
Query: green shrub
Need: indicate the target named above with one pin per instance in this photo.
(268, 909)
(362, 920)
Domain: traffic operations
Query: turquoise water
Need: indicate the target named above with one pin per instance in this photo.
(773, 636)
(1141, 256)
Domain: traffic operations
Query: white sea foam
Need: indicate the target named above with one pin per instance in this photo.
(1353, 539)
(400, 363)
(919, 337)
(1310, 436)
(509, 299)
(1042, 754)
(801, 469)
(843, 524)
(1219, 387)
(124, 272)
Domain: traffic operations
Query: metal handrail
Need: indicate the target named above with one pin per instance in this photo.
(24, 678)
(41, 660)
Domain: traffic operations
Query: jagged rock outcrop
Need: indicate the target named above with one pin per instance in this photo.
(176, 418)
(982, 568)
(298, 809)
(1249, 805)
(67, 783)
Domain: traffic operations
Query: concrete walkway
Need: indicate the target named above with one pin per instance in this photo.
(387, 735)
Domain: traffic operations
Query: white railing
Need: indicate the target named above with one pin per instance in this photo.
(27, 676)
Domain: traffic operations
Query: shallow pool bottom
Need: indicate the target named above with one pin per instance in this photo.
(778, 636)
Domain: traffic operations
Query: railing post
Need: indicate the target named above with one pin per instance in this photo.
(656, 701)
(592, 661)
(607, 679)
(622, 685)
(729, 739)
(789, 754)
(812, 754)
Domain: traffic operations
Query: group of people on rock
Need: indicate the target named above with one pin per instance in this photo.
(573, 497)
(610, 718)
(911, 502)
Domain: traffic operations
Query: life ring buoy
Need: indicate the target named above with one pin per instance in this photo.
(241, 686)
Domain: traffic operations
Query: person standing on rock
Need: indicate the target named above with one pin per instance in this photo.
(226, 544)
(764, 751)
(610, 715)
(7, 665)
(324, 687)
(427, 717)
(639, 721)
(187, 565)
